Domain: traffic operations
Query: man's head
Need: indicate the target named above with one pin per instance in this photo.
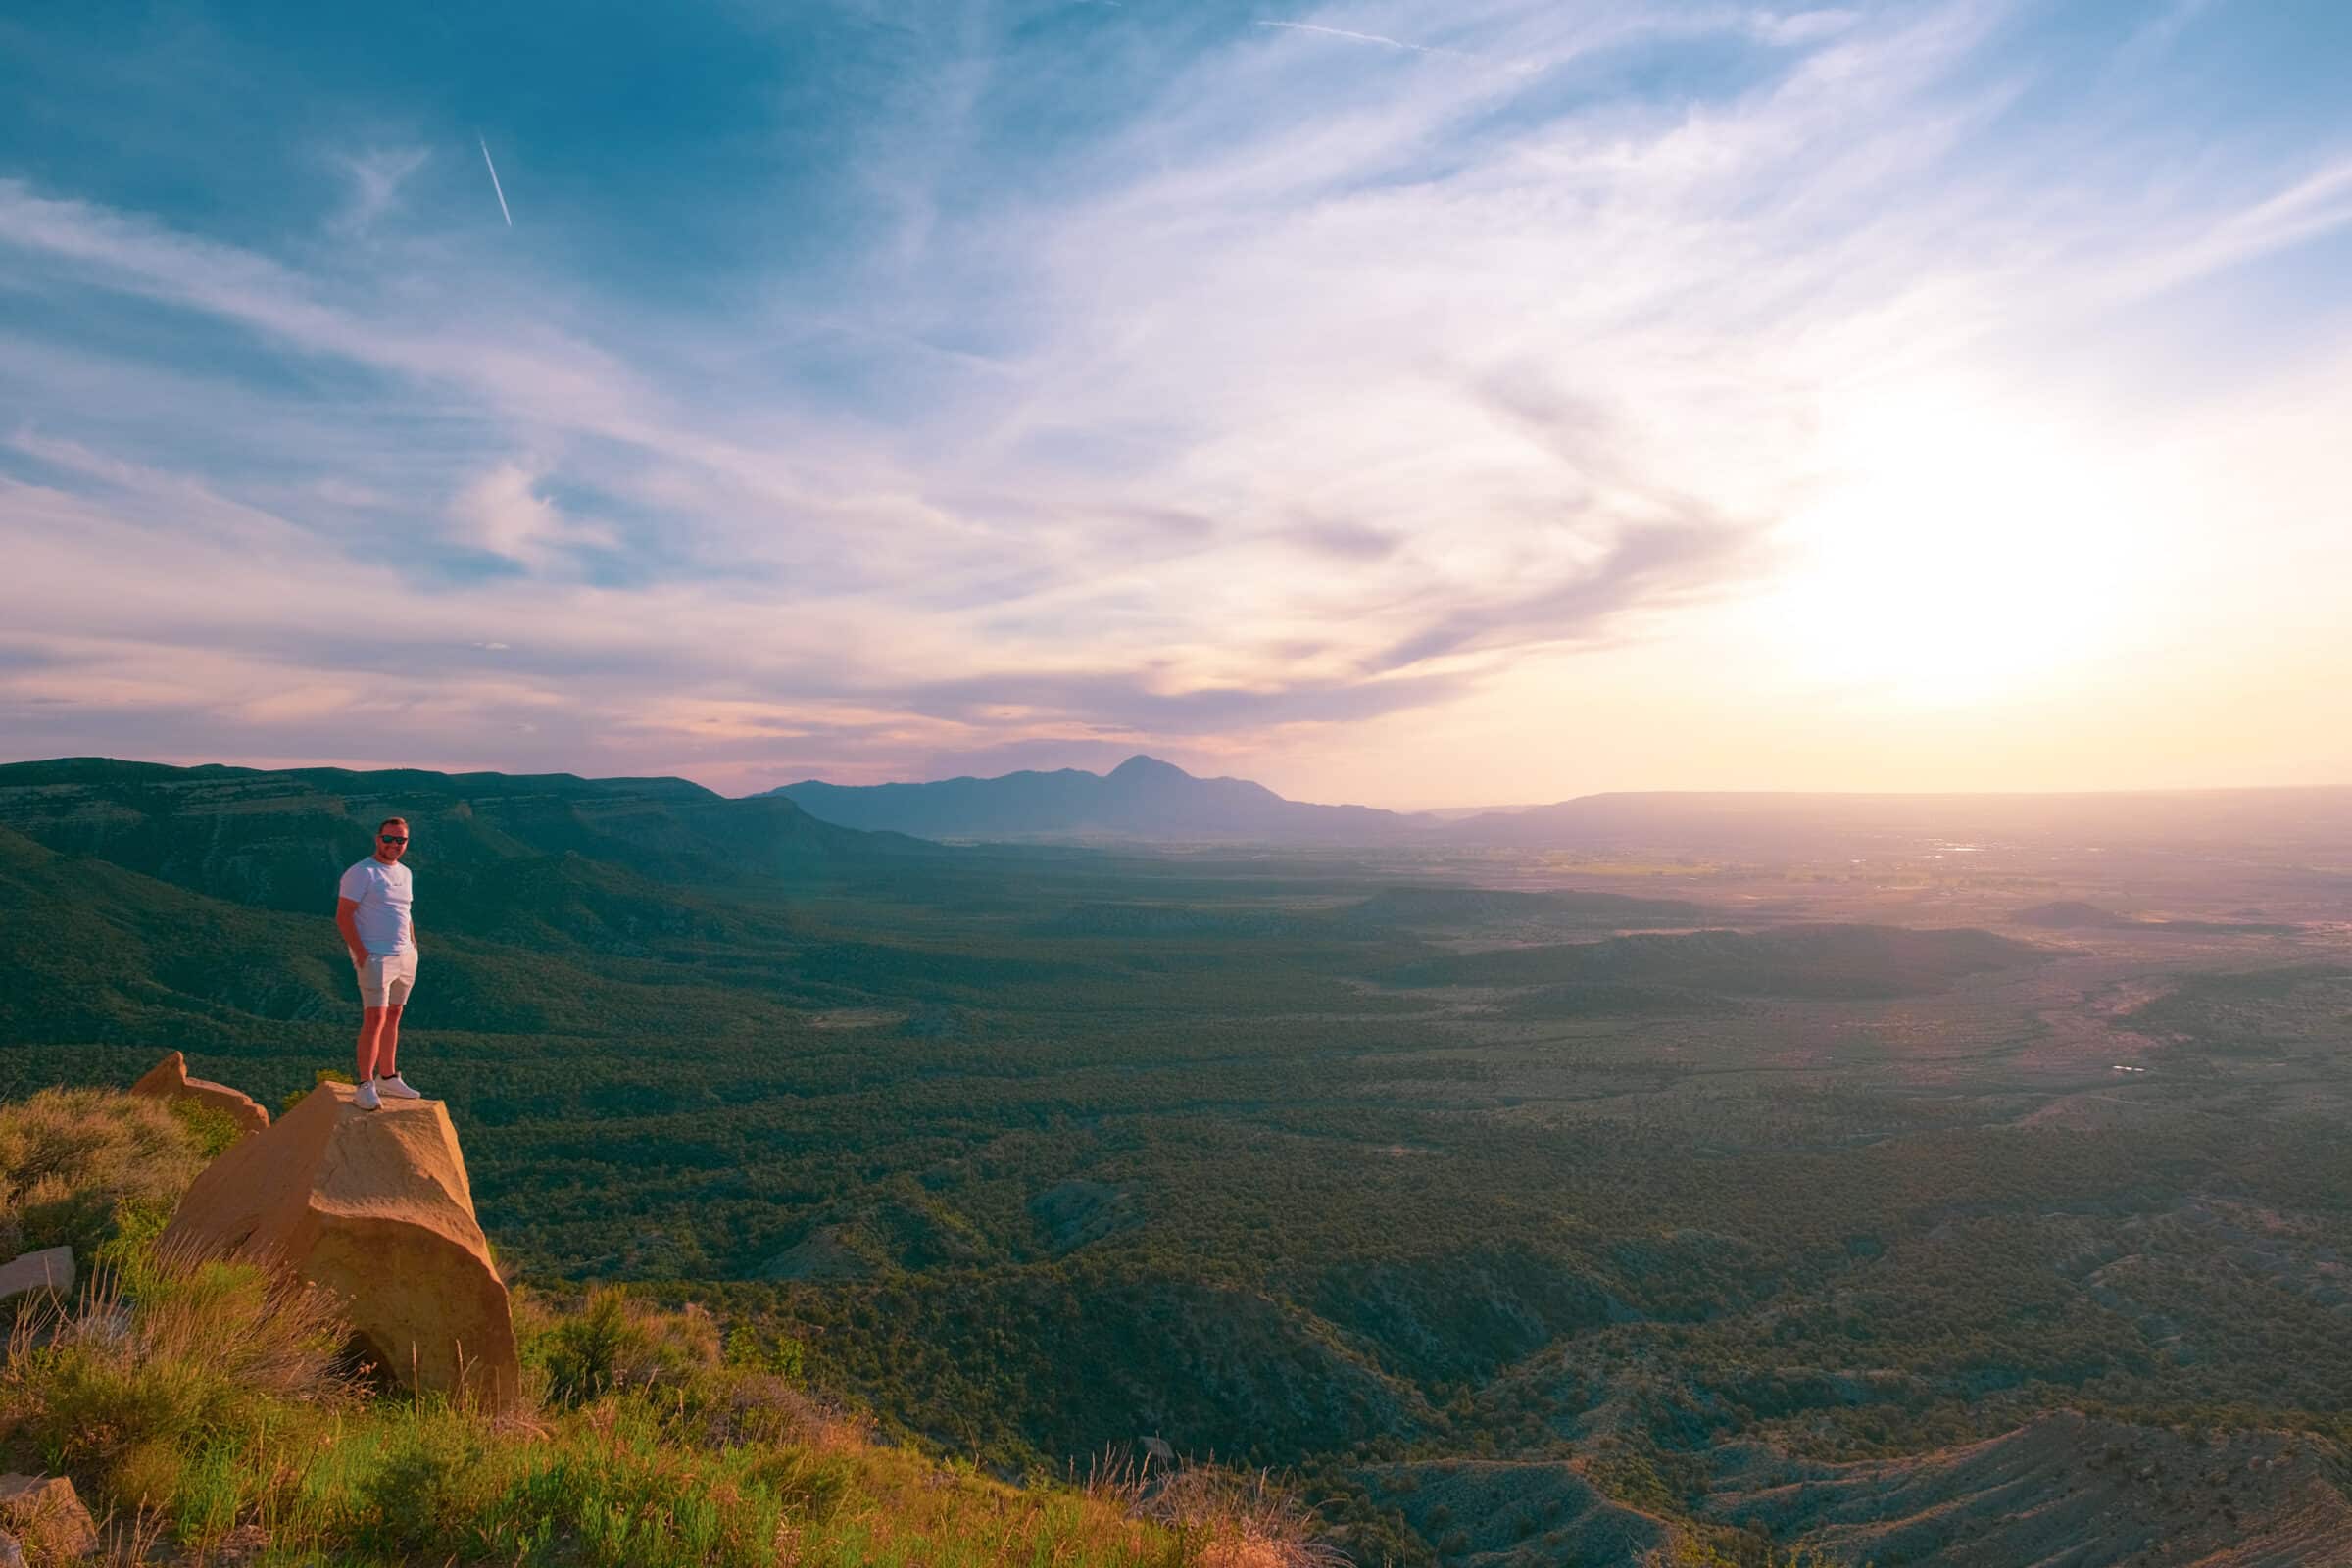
(392, 839)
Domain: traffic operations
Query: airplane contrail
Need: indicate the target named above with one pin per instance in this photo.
(1517, 66)
(1358, 38)
(495, 185)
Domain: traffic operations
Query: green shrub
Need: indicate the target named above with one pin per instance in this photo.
(427, 1484)
(616, 1342)
(633, 1502)
(209, 1129)
(75, 1164)
(324, 1075)
(756, 1349)
(137, 1226)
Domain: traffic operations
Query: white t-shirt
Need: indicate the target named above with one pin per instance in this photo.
(383, 894)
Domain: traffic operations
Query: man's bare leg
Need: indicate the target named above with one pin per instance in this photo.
(387, 1061)
(372, 1034)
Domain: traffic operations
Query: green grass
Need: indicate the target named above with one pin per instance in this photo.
(679, 1478)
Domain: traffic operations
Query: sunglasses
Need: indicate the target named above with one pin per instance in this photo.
(390, 838)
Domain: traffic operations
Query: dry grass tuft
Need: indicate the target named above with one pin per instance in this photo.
(1240, 1520)
(123, 1391)
(74, 1161)
(1222, 1518)
(761, 1408)
(132, 1542)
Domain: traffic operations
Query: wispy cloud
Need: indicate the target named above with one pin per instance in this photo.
(1361, 37)
(503, 515)
(2166, 25)
(1236, 396)
(1799, 27)
(376, 179)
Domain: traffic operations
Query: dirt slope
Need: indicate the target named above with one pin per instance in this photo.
(2062, 1489)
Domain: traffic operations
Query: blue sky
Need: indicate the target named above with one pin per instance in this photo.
(1408, 404)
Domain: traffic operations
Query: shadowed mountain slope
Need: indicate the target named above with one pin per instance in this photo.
(96, 953)
(276, 839)
(1503, 1514)
(1142, 798)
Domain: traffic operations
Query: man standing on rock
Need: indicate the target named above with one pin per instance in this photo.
(373, 913)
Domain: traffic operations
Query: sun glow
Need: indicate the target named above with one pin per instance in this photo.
(1957, 552)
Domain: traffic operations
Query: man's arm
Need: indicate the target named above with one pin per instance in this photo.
(347, 921)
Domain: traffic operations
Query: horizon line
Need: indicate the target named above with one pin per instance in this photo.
(277, 766)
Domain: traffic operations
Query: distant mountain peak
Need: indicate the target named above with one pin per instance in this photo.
(1143, 797)
(1140, 767)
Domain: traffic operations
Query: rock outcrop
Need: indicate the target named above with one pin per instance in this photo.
(375, 1208)
(169, 1079)
(51, 1269)
(46, 1514)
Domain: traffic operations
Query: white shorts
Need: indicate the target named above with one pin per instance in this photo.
(386, 978)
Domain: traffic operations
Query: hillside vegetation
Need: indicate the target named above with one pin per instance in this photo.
(206, 1411)
(1606, 1203)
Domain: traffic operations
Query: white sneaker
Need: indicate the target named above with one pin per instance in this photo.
(397, 1087)
(366, 1099)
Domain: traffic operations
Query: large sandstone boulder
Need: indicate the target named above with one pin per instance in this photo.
(169, 1079)
(375, 1208)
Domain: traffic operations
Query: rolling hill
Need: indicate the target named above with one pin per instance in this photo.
(276, 839)
(1149, 801)
(1521, 1224)
(1143, 797)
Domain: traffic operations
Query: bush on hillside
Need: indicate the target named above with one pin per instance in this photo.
(324, 1075)
(743, 1386)
(1238, 1519)
(80, 1166)
(613, 1343)
(760, 1348)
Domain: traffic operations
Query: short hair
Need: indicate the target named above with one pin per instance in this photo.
(389, 821)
